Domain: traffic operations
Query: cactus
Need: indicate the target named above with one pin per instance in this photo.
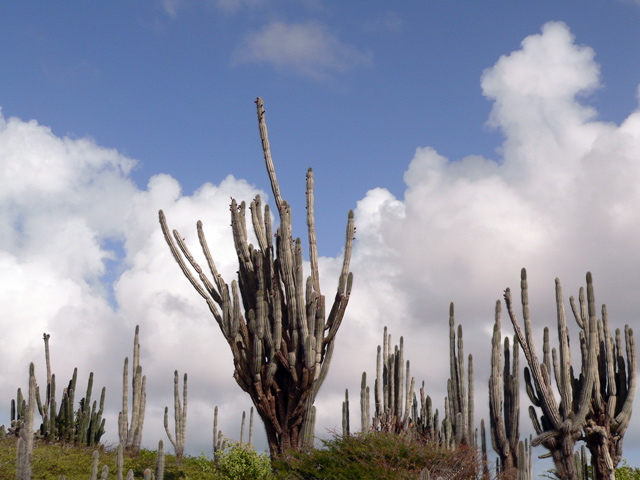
(308, 429)
(365, 410)
(561, 424)
(460, 403)
(283, 344)
(504, 399)
(94, 465)
(525, 464)
(90, 424)
(394, 389)
(180, 417)
(160, 461)
(85, 426)
(582, 464)
(131, 434)
(346, 428)
(119, 461)
(612, 400)
(219, 441)
(251, 427)
(25, 438)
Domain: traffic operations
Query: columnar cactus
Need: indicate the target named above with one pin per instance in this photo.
(160, 461)
(119, 462)
(365, 409)
(525, 460)
(504, 399)
(180, 417)
(614, 389)
(308, 428)
(460, 403)
(25, 438)
(131, 434)
(394, 389)
(561, 424)
(283, 343)
(346, 428)
(219, 441)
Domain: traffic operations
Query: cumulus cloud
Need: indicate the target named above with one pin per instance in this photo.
(561, 199)
(68, 207)
(304, 48)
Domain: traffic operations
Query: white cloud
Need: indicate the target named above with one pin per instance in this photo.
(308, 49)
(64, 201)
(562, 200)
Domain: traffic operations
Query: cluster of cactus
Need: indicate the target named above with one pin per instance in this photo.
(459, 405)
(220, 441)
(283, 343)
(180, 418)
(408, 415)
(397, 408)
(596, 406)
(393, 389)
(130, 433)
(82, 426)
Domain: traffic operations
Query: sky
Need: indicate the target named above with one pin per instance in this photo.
(471, 139)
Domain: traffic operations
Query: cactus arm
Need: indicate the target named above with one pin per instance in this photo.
(621, 421)
(264, 137)
(545, 395)
(311, 227)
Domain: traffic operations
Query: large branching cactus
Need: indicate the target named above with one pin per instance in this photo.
(275, 323)
(614, 388)
(561, 423)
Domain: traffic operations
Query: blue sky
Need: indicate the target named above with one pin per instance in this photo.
(472, 139)
(174, 90)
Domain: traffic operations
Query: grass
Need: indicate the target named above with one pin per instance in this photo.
(50, 460)
(371, 456)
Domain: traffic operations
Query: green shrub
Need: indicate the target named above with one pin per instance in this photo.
(378, 455)
(242, 462)
(625, 472)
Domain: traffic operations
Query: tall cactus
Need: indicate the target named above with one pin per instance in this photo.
(131, 433)
(394, 389)
(561, 423)
(346, 424)
(504, 399)
(25, 438)
(614, 389)
(219, 441)
(283, 344)
(180, 417)
(460, 388)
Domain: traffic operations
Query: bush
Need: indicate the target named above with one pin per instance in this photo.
(242, 462)
(378, 455)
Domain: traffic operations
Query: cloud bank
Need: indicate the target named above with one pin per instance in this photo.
(82, 256)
